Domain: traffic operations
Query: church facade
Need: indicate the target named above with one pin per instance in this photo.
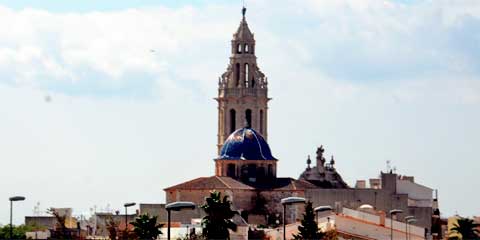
(246, 169)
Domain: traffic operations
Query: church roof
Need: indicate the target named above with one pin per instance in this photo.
(219, 183)
(210, 183)
(246, 144)
(290, 184)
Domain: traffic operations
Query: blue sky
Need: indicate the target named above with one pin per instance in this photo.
(370, 80)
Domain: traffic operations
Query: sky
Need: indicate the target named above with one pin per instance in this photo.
(107, 102)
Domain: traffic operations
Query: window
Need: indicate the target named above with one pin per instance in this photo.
(239, 48)
(233, 116)
(248, 118)
(260, 174)
(231, 170)
(252, 172)
(270, 170)
(246, 48)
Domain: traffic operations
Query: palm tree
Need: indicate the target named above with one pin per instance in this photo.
(467, 228)
(219, 217)
(146, 227)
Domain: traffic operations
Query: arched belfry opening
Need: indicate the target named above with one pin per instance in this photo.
(233, 116)
(248, 118)
(237, 74)
(247, 75)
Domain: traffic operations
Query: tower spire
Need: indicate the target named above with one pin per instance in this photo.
(242, 90)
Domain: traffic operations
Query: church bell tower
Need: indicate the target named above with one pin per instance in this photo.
(242, 89)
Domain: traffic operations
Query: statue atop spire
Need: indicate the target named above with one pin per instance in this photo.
(244, 11)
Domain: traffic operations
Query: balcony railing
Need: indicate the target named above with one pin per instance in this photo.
(240, 92)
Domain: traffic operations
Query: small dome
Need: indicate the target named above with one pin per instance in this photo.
(366, 206)
(246, 144)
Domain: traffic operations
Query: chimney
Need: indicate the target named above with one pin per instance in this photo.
(375, 183)
(361, 184)
(382, 217)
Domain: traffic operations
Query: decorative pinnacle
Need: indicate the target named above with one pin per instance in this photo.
(244, 11)
(309, 162)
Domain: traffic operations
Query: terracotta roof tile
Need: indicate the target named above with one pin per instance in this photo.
(214, 182)
(292, 184)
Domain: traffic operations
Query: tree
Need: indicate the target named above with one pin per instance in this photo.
(330, 235)
(19, 232)
(146, 227)
(112, 227)
(309, 228)
(467, 228)
(64, 232)
(219, 217)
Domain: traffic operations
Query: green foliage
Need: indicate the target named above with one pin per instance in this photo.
(467, 228)
(274, 220)
(219, 217)
(255, 234)
(260, 205)
(330, 235)
(192, 237)
(146, 227)
(309, 228)
(18, 231)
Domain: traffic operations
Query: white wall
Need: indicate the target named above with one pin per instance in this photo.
(362, 215)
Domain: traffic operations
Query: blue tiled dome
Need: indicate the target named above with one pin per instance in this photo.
(246, 143)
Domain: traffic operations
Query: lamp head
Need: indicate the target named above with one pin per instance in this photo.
(292, 200)
(323, 208)
(129, 204)
(177, 206)
(17, 198)
(395, 211)
(412, 220)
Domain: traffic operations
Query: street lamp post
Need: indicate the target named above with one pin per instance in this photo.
(392, 213)
(176, 206)
(410, 221)
(126, 205)
(322, 209)
(407, 218)
(13, 199)
(289, 201)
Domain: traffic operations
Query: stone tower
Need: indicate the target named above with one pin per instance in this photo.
(242, 89)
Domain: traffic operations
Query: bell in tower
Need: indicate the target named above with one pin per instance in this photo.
(242, 89)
